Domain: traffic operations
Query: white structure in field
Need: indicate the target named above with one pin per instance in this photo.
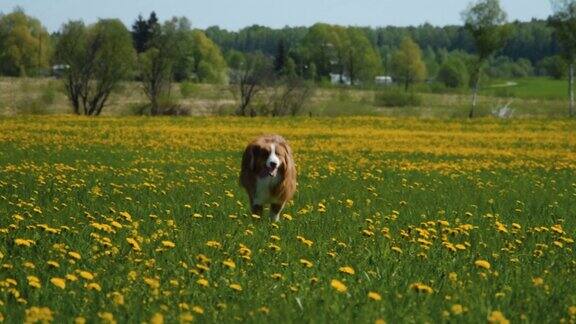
(383, 80)
(336, 78)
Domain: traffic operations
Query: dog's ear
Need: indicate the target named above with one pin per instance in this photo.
(248, 159)
(289, 160)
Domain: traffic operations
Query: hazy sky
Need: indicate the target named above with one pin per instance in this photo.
(235, 14)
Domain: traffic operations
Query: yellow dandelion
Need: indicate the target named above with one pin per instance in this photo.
(168, 244)
(153, 283)
(338, 285)
(58, 282)
(374, 296)
(236, 287)
(457, 309)
(157, 318)
(229, 263)
(306, 263)
(421, 288)
(482, 264)
(38, 314)
(397, 249)
(33, 281)
(276, 276)
(198, 310)
(71, 277)
(203, 282)
(134, 244)
(93, 286)
(497, 317)
(347, 270)
(126, 215)
(86, 275)
(117, 298)
(75, 255)
(23, 242)
(213, 244)
(537, 281)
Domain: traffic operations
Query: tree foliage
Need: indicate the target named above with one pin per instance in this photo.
(486, 22)
(209, 64)
(25, 46)
(407, 64)
(99, 57)
(453, 73)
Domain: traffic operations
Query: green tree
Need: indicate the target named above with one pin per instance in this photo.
(99, 57)
(362, 61)
(486, 22)
(407, 65)
(564, 22)
(25, 46)
(156, 67)
(453, 73)
(321, 47)
(143, 31)
(209, 64)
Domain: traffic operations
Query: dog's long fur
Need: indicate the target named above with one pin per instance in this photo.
(274, 190)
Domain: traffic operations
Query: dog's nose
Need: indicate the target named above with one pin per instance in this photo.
(273, 165)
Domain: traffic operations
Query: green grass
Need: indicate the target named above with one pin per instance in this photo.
(529, 88)
(177, 178)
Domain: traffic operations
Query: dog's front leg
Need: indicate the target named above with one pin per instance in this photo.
(275, 210)
(257, 209)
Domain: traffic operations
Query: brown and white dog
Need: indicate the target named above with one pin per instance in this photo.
(268, 174)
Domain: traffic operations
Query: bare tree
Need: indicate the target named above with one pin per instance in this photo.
(290, 95)
(250, 78)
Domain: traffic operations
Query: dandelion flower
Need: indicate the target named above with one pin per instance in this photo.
(236, 287)
(93, 286)
(202, 282)
(374, 296)
(86, 275)
(229, 263)
(75, 255)
(198, 310)
(58, 282)
(496, 317)
(482, 264)
(168, 244)
(421, 288)
(347, 270)
(23, 242)
(306, 263)
(338, 285)
(134, 244)
(457, 309)
(33, 281)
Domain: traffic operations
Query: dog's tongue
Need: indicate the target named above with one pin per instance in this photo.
(267, 172)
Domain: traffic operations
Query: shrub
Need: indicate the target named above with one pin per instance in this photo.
(397, 98)
(188, 89)
(453, 73)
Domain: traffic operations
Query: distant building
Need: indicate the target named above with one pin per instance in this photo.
(383, 80)
(59, 69)
(336, 78)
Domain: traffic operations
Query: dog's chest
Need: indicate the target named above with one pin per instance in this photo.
(264, 188)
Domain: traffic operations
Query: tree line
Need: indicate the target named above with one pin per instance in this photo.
(94, 58)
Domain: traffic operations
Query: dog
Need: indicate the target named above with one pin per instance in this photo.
(268, 174)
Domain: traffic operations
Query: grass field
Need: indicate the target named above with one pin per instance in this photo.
(396, 219)
(529, 98)
(529, 88)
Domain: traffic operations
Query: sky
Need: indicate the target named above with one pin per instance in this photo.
(236, 14)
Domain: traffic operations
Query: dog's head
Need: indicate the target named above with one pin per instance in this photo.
(267, 156)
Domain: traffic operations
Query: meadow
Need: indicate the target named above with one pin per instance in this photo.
(536, 97)
(141, 219)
